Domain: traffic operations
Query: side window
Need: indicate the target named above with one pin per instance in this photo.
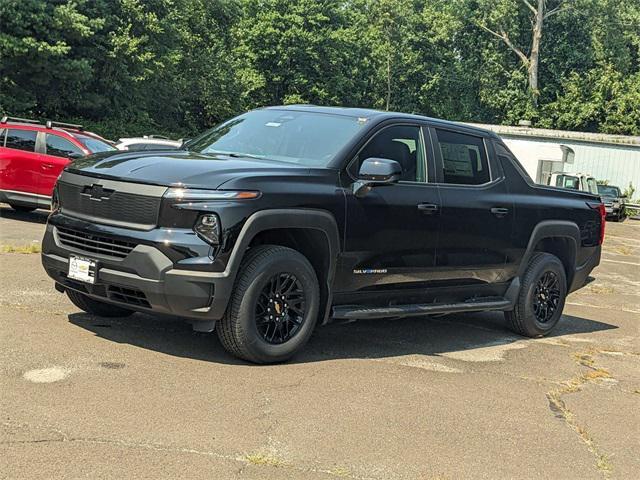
(21, 139)
(464, 158)
(3, 131)
(402, 143)
(593, 185)
(568, 181)
(60, 147)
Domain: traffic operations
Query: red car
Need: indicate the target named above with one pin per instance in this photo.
(32, 156)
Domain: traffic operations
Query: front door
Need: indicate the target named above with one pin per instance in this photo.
(57, 155)
(392, 232)
(477, 212)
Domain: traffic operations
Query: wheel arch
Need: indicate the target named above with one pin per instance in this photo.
(312, 232)
(558, 237)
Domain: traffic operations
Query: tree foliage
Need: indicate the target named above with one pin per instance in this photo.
(178, 66)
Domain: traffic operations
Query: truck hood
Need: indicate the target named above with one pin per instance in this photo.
(176, 168)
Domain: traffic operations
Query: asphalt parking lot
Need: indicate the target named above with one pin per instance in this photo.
(424, 398)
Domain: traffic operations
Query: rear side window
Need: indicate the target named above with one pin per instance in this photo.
(60, 147)
(2, 136)
(464, 158)
(21, 139)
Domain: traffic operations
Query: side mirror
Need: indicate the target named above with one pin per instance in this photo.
(374, 172)
(75, 155)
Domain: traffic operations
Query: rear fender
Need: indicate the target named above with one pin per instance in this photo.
(550, 229)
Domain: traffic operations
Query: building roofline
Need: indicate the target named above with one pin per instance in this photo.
(512, 131)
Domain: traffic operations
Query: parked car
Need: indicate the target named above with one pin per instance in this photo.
(148, 142)
(614, 202)
(33, 154)
(286, 217)
(575, 181)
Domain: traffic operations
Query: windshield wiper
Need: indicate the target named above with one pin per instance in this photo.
(238, 155)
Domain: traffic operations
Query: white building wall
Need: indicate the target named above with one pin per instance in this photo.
(619, 164)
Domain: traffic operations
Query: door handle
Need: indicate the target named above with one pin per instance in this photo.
(428, 208)
(47, 166)
(500, 211)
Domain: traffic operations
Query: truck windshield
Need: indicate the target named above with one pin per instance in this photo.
(95, 145)
(568, 181)
(305, 138)
(608, 191)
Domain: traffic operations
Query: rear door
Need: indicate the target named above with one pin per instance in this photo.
(57, 153)
(477, 212)
(19, 161)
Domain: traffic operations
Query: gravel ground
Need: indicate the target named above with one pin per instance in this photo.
(423, 398)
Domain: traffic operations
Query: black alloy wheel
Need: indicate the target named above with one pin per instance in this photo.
(546, 296)
(280, 309)
(274, 305)
(540, 301)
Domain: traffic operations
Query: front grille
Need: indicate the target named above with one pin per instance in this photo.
(128, 295)
(91, 243)
(109, 206)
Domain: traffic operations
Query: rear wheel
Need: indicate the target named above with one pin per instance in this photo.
(541, 298)
(95, 307)
(273, 308)
(22, 208)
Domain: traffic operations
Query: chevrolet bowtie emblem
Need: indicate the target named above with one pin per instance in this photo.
(97, 192)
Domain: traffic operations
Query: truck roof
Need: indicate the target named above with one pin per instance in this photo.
(380, 115)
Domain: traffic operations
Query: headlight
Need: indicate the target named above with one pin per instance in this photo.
(208, 227)
(196, 195)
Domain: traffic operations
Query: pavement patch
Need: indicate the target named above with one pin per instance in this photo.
(112, 365)
(491, 352)
(428, 365)
(47, 375)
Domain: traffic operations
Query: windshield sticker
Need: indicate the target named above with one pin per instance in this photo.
(272, 124)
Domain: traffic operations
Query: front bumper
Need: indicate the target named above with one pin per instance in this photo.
(166, 271)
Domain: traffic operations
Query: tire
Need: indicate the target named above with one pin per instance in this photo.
(244, 330)
(22, 208)
(95, 307)
(523, 318)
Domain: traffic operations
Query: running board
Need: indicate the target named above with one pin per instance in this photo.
(478, 304)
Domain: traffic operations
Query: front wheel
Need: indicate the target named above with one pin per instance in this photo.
(541, 298)
(273, 308)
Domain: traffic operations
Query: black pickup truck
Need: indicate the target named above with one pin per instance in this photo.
(284, 218)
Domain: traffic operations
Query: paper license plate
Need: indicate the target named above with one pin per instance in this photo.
(82, 269)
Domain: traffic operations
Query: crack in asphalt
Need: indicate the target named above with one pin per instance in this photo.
(560, 410)
(245, 460)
